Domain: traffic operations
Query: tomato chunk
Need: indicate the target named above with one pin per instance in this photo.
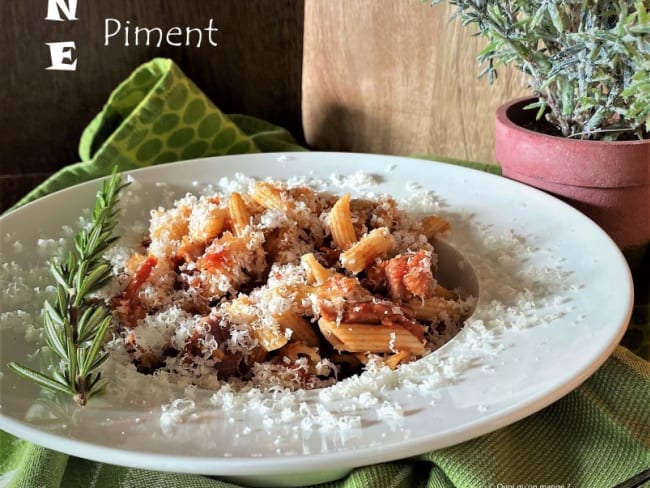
(141, 275)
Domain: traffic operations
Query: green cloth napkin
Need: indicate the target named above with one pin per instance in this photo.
(597, 436)
(158, 115)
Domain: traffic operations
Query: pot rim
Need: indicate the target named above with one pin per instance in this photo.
(518, 104)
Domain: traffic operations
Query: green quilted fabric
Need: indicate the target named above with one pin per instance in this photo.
(598, 436)
(155, 116)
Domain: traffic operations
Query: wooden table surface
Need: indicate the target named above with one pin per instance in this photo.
(397, 77)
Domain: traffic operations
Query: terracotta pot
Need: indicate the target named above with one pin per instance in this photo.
(607, 181)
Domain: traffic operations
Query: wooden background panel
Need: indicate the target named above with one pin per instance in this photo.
(255, 69)
(397, 77)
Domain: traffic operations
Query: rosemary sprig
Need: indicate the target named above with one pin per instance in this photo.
(75, 328)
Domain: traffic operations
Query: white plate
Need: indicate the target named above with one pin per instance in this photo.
(555, 297)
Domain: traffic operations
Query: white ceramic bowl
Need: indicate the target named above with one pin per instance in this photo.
(555, 298)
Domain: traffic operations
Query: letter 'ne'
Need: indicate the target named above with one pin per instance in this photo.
(61, 53)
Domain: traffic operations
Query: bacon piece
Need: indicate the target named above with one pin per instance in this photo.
(375, 278)
(368, 312)
(376, 312)
(396, 268)
(344, 287)
(419, 278)
(404, 276)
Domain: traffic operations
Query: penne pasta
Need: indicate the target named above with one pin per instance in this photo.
(270, 196)
(207, 223)
(340, 223)
(301, 328)
(373, 245)
(327, 328)
(295, 350)
(433, 225)
(396, 359)
(316, 271)
(352, 337)
(238, 212)
(442, 292)
(436, 308)
(269, 338)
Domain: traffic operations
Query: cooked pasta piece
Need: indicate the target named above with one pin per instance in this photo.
(167, 228)
(396, 359)
(441, 291)
(340, 222)
(270, 196)
(206, 222)
(294, 350)
(326, 327)
(437, 309)
(226, 263)
(433, 225)
(301, 329)
(371, 338)
(269, 338)
(238, 212)
(317, 271)
(375, 244)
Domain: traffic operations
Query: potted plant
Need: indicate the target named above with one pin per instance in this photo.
(584, 134)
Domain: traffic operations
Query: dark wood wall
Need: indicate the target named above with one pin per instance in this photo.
(255, 69)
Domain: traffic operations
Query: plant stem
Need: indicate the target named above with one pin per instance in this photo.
(84, 272)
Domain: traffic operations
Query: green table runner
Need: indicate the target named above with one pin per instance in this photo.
(597, 436)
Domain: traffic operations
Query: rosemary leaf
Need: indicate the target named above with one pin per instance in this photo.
(101, 359)
(59, 275)
(90, 279)
(39, 378)
(96, 386)
(61, 377)
(95, 348)
(53, 338)
(89, 322)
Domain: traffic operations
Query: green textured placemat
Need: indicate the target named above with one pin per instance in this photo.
(595, 437)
